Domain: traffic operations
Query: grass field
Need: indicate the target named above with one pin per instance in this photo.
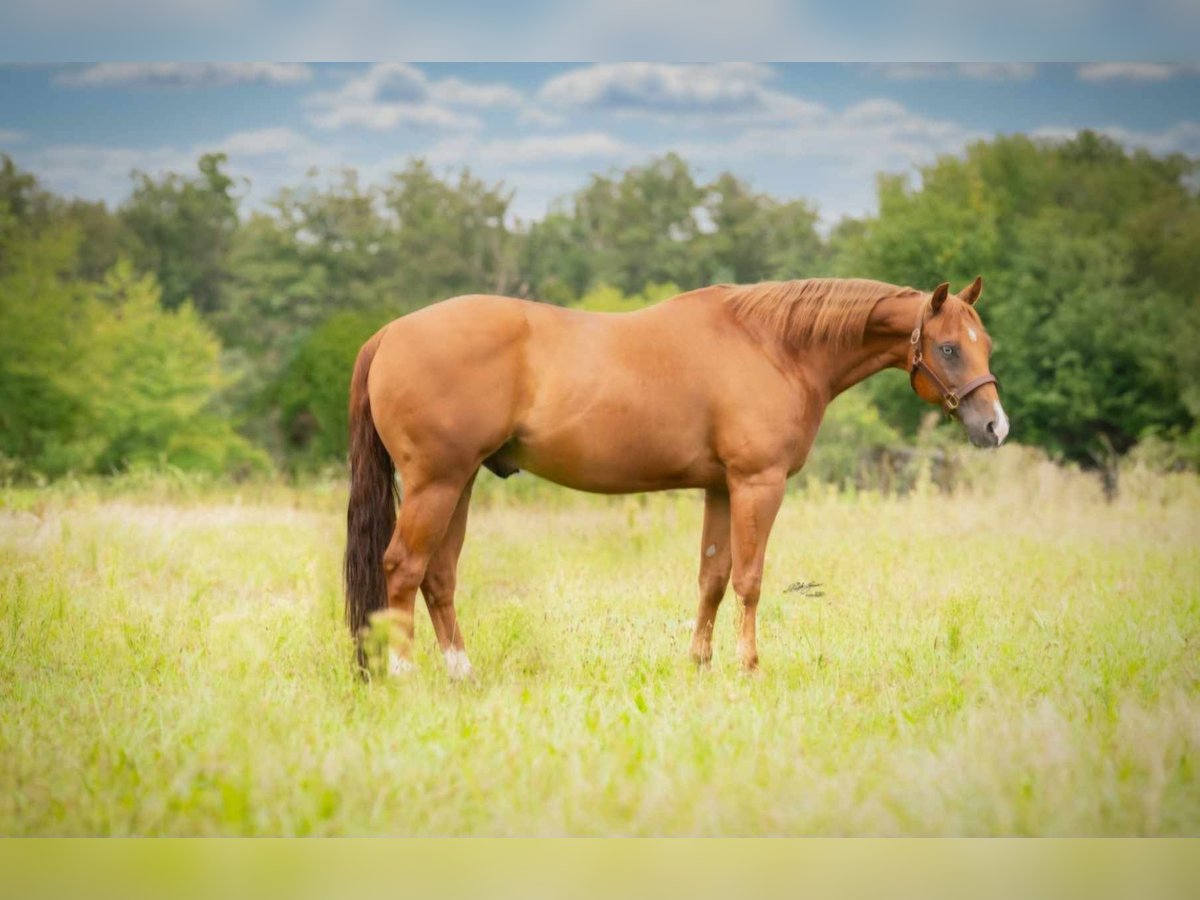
(1018, 658)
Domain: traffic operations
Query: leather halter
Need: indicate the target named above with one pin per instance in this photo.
(951, 397)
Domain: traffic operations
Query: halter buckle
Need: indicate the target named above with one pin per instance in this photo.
(952, 401)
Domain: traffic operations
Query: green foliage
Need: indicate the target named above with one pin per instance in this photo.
(639, 227)
(1088, 253)
(449, 237)
(555, 261)
(26, 210)
(23, 205)
(1169, 450)
(181, 229)
(98, 377)
(1091, 297)
(852, 439)
(605, 298)
(757, 238)
(312, 392)
(152, 376)
(44, 324)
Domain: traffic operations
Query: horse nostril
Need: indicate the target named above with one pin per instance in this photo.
(991, 427)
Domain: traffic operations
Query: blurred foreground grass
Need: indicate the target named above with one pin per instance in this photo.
(1018, 658)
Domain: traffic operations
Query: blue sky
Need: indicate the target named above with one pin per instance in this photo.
(815, 130)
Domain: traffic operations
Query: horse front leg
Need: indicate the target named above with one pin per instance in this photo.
(714, 572)
(754, 502)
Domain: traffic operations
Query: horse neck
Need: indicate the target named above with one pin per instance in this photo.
(885, 343)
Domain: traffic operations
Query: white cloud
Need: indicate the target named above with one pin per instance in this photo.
(185, 74)
(726, 90)
(841, 151)
(870, 136)
(541, 118)
(98, 172)
(1134, 71)
(388, 116)
(981, 71)
(12, 136)
(1181, 137)
(998, 71)
(388, 95)
(265, 142)
(269, 158)
(590, 146)
(455, 90)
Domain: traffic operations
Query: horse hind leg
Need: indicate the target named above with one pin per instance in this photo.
(438, 586)
(424, 517)
(715, 567)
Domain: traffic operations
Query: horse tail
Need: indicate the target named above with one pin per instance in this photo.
(371, 513)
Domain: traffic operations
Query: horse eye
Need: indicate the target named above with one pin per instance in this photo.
(947, 350)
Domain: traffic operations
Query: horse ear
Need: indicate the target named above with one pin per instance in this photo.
(972, 291)
(939, 296)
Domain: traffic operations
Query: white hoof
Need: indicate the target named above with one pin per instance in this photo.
(397, 664)
(458, 665)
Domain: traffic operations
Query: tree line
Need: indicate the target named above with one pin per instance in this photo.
(179, 329)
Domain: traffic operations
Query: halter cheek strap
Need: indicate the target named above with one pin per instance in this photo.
(951, 397)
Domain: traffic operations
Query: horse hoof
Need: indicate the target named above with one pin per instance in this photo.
(458, 665)
(398, 665)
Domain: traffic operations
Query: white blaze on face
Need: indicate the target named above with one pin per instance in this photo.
(1001, 426)
(972, 334)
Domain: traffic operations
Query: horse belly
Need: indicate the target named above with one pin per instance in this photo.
(614, 455)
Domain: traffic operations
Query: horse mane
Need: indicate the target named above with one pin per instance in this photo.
(811, 310)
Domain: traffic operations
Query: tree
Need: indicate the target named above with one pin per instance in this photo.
(448, 237)
(605, 298)
(26, 209)
(1091, 295)
(638, 227)
(555, 264)
(757, 238)
(97, 377)
(312, 391)
(44, 323)
(181, 229)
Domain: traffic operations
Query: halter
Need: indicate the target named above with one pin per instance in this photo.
(951, 397)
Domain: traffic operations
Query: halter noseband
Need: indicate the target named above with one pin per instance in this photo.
(951, 397)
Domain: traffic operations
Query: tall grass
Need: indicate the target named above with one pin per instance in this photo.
(1017, 657)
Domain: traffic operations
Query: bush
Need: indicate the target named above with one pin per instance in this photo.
(852, 442)
(312, 393)
(606, 298)
(99, 377)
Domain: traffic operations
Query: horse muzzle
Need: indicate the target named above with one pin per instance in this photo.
(985, 422)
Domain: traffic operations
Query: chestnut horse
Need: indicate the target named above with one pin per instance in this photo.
(721, 388)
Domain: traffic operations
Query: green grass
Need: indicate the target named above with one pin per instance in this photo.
(1019, 658)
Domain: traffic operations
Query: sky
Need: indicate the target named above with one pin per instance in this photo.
(47, 30)
(819, 131)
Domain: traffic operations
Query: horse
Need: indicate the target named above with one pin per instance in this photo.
(720, 389)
